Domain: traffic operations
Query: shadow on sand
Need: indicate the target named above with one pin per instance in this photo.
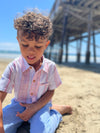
(94, 67)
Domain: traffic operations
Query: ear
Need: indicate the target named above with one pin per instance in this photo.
(17, 38)
(47, 43)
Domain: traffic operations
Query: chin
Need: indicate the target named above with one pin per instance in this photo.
(30, 63)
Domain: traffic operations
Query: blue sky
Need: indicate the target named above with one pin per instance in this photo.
(8, 11)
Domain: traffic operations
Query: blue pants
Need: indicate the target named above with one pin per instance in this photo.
(44, 121)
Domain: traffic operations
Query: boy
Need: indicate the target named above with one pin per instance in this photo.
(33, 77)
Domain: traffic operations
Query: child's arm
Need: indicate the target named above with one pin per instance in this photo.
(31, 109)
(2, 97)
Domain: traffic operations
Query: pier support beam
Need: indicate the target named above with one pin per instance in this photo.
(67, 42)
(94, 48)
(79, 46)
(63, 37)
(51, 46)
(89, 38)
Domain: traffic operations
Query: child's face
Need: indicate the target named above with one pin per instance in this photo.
(31, 50)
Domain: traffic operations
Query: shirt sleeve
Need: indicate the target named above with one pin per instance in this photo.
(54, 78)
(7, 79)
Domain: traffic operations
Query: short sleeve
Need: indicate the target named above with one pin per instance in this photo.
(7, 79)
(54, 78)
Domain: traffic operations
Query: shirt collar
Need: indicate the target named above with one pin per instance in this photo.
(24, 64)
(44, 65)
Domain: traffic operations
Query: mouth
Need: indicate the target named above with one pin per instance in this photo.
(31, 57)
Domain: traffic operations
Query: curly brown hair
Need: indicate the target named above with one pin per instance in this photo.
(34, 25)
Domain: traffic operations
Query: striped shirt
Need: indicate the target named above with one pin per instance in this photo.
(29, 85)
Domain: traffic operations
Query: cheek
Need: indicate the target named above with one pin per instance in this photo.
(39, 50)
(23, 50)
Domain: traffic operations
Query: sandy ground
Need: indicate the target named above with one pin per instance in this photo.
(81, 90)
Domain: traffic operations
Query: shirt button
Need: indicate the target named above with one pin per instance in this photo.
(30, 67)
(31, 94)
(33, 80)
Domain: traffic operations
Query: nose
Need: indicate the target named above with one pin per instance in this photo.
(31, 49)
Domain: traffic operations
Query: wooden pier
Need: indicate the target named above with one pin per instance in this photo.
(75, 21)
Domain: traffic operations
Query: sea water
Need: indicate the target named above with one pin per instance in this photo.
(12, 51)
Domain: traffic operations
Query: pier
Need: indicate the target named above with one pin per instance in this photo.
(75, 21)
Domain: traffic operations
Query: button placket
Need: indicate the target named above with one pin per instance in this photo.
(35, 84)
(32, 92)
(32, 73)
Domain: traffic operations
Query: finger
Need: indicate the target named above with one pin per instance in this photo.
(23, 114)
(26, 119)
(23, 117)
(18, 114)
(23, 104)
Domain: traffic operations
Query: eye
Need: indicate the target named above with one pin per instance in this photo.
(38, 47)
(25, 45)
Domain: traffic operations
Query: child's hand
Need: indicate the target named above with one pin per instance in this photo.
(28, 113)
(31, 109)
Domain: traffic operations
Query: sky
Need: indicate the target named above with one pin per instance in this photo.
(8, 11)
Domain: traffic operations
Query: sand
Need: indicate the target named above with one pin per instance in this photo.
(81, 89)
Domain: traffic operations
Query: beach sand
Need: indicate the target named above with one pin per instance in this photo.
(81, 89)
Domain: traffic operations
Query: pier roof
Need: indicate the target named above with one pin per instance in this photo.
(81, 15)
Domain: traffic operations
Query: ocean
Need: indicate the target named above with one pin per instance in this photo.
(11, 51)
(11, 54)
